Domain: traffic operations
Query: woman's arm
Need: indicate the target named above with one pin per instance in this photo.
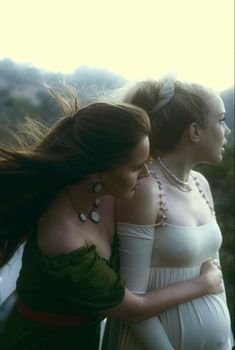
(141, 210)
(135, 247)
(138, 308)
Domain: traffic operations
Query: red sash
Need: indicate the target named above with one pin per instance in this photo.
(49, 318)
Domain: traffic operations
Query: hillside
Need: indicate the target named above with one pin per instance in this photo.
(23, 91)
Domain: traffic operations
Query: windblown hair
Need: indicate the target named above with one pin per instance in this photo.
(98, 137)
(171, 110)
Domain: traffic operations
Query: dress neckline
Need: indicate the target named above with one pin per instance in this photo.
(84, 249)
(212, 219)
(163, 207)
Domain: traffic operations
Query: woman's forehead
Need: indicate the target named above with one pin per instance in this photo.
(216, 105)
(141, 150)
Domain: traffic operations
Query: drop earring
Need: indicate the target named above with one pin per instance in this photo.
(97, 186)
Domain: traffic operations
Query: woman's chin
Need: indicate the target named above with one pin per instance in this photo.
(217, 159)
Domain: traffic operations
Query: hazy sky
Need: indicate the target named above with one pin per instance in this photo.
(134, 38)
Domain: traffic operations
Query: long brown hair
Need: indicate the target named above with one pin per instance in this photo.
(96, 138)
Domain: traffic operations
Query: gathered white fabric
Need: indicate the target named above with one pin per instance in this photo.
(166, 92)
(153, 257)
(135, 248)
(136, 243)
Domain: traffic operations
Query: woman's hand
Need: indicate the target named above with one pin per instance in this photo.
(212, 276)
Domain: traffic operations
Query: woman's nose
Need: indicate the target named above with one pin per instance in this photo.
(227, 130)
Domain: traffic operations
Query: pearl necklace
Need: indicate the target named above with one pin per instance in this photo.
(184, 184)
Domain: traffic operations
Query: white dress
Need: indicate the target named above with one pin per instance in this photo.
(154, 257)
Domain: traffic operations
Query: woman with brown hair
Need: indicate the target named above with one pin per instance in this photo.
(57, 194)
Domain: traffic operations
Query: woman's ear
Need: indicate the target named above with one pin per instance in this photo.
(194, 132)
(97, 184)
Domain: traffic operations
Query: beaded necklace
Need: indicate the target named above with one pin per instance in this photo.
(163, 209)
(92, 215)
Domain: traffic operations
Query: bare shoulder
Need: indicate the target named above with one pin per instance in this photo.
(143, 208)
(204, 184)
(56, 235)
(202, 180)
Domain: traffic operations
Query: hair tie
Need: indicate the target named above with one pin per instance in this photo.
(166, 92)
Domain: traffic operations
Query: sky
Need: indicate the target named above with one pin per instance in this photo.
(137, 39)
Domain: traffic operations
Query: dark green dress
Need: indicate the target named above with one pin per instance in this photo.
(78, 283)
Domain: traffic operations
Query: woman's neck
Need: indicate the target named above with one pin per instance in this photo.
(84, 202)
(82, 195)
(176, 164)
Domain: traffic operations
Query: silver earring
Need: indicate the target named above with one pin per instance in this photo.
(97, 186)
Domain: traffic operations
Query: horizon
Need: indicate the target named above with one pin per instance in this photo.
(45, 71)
(136, 40)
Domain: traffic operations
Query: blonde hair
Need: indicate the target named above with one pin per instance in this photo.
(184, 104)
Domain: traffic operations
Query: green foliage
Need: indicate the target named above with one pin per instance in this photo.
(221, 179)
